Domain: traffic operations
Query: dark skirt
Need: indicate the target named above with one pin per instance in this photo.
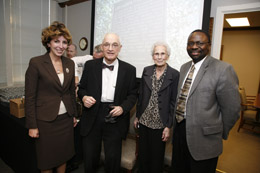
(55, 146)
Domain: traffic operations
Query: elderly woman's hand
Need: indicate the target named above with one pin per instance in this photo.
(166, 134)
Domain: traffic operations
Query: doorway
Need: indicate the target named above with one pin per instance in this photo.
(245, 71)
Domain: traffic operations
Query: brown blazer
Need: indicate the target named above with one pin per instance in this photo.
(44, 92)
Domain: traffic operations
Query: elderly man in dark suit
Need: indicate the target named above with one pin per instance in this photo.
(207, 107)
(108, 90)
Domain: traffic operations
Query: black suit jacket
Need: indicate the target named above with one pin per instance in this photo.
(44, 92)
(125, 93)
(166, 95)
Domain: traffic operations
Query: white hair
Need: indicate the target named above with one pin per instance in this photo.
(164, 44)
(112, 33)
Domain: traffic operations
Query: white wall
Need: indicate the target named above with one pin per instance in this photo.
(79, 23)
(3, 74)
(22, 22)
(55, 12)
(140, 23)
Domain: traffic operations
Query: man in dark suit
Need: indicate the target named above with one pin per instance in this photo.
(108, 90)
(208, 106)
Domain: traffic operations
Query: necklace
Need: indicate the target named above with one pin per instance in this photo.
(58, 71)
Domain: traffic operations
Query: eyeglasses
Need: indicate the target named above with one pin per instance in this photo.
(199, 44)
(158, 54)
(114, 45)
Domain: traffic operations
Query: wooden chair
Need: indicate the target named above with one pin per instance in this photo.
(130, 146)
(168, 154)
(248, 112)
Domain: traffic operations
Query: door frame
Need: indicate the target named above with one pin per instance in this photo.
(218, 25)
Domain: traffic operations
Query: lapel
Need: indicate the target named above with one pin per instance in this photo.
(147, 76)
(167, 79)
(149, 72)
(121, 75)
(184, 70)
(67, 70)
(201, 72)
(50, 69)
(98, 73)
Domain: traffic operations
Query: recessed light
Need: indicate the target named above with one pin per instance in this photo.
(235, 22)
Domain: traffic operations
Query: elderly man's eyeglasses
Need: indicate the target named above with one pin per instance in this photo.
(114, 45)
(199, 44)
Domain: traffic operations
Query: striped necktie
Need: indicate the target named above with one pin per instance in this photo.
(181, 103)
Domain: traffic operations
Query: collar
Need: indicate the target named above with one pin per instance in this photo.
(113, 63)
(198, 64)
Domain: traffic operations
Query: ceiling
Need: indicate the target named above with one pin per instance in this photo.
(253, 18)
(62, 3)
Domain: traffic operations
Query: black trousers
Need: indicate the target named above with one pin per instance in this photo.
(182, 161)
(151, 150)
(92, 143)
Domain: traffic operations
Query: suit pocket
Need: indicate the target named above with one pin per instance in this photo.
(212, 130)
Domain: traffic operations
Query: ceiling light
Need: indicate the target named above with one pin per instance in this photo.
(233, 22)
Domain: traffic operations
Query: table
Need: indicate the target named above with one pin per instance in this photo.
(17, 149)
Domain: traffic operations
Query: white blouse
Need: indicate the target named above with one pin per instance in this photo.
(62, 109)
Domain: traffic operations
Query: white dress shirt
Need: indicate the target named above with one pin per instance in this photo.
(62, 109)
(109, 82)
(79, 64)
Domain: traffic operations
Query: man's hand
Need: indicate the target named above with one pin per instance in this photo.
(34, 133)
(116, 111)
(88, 101)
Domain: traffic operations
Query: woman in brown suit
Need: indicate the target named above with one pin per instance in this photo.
(50, 100)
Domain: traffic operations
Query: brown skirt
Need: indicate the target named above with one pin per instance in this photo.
(55, 146)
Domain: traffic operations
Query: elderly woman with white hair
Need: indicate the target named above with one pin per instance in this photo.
(155, 106)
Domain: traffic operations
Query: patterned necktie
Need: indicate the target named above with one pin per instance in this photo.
(110, 67)
(181, 104)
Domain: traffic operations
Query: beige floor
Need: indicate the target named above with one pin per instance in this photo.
(241, 153)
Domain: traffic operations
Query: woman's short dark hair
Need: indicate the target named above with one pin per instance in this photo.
(55, 30)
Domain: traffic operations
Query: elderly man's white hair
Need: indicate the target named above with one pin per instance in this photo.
(161, 43)
(112, 33)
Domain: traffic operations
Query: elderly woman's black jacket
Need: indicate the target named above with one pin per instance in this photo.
(166, 95)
